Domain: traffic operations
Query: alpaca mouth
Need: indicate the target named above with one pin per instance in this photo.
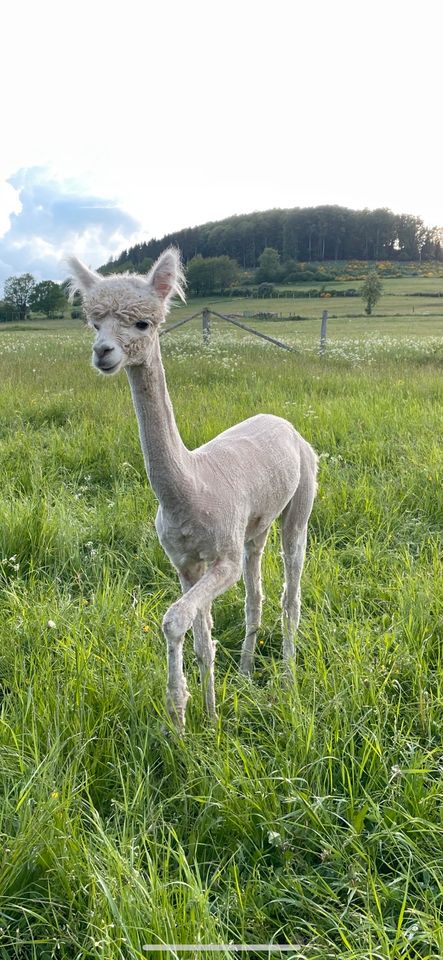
(109, 369)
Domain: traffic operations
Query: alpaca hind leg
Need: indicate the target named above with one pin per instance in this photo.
(252, 555)
(293, 558)
(294, 533)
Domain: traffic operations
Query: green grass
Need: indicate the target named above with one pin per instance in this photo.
(312, 814)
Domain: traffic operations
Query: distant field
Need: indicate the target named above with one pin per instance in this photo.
(397, 303)
(312, 814)
(354, 271)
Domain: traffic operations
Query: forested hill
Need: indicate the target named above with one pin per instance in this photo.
(301, 233)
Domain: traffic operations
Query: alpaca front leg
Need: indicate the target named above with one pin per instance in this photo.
(181, 616)
(204, 645)
(177, 693)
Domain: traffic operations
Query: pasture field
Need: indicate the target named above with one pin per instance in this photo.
(398, 302)
(313, 813)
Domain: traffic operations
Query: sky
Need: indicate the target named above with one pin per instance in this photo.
(122, 122)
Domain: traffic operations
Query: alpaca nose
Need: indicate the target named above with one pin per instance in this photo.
(101, 350)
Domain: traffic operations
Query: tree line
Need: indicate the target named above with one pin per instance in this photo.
(283, 246)
(22, 294)
(305, 234)
(205, 275)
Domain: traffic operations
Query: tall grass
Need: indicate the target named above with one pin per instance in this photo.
(312, 814)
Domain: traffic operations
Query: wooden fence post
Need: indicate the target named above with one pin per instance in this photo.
(324, 324)
(206, 324)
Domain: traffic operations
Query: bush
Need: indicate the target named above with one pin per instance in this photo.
(265, 289)
(7, 312)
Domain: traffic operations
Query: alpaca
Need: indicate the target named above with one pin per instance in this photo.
(216, 503)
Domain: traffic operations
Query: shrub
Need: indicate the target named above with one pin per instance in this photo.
(265, 289)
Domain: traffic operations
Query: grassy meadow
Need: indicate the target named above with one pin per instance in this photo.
(312, 814)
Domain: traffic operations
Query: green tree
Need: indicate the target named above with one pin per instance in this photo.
(269, 265)
(145, 265)
(199, 275)
(18, 292)
(7, 312)
(371, 291)
(210, 274)
(47, 297)
(227, 272)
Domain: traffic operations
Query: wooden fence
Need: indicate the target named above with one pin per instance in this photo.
(206, 313)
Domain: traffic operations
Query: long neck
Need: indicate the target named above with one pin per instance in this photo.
(167, 460)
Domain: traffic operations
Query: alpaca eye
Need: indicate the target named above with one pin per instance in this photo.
(96, 326)
(142, 325)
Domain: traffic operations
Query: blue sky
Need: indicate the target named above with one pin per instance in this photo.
(120, 123)
(53, 217)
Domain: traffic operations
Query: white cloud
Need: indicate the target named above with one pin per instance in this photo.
(9, 203)
(53, 220)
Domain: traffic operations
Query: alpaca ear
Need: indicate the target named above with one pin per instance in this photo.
(83, 279)
(166, 277)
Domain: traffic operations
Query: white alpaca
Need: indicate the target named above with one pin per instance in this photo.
(216, 503)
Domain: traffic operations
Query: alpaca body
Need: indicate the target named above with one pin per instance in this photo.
(216, 503)
(243, 480)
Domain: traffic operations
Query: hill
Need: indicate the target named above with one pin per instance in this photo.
(304, 234)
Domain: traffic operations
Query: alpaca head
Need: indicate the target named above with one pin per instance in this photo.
(125, 310)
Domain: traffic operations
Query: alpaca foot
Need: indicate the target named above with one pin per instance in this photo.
(288, 670)
(246, 667)
(176, 701)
